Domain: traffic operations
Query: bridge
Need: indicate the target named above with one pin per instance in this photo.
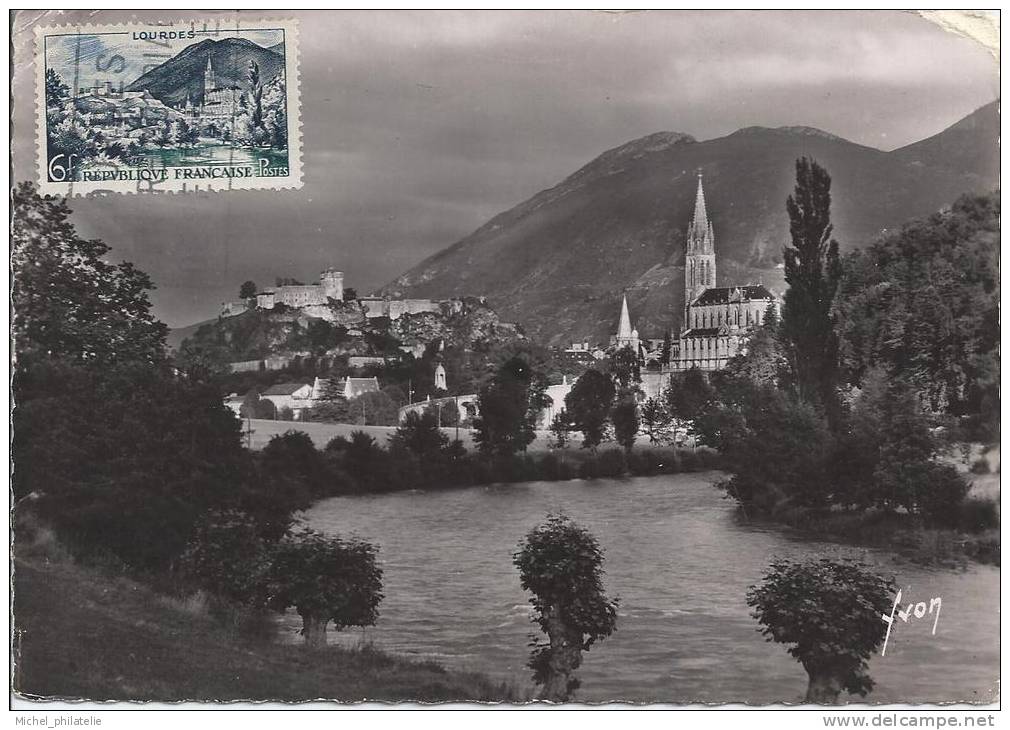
(465, 405)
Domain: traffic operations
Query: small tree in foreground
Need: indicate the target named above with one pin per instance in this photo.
(830, 612)
(560, 563)
(326, 579)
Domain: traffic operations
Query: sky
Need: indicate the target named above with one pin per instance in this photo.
(92, 59)
(417, 127)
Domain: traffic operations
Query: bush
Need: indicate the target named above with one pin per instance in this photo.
(977, 515)
(589, 469)
(644, 463)
(981, 466)
(227, 557)
(940, 492)
(612, 463)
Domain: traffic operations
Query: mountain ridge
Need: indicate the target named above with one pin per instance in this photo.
(559, 261)
(181, 77)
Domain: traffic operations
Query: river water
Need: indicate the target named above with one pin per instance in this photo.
(680, 559)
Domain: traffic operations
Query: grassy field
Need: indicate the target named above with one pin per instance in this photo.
(82, 634)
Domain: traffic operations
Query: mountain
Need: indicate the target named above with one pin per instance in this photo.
(559, 262)
(182, 75)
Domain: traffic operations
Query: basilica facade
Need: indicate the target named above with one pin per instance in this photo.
(717, 320)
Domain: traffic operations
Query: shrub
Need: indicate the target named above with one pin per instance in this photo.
(644, 463)
(940, 492)
(589, 469)
(612, 463)
(227, 557)
(981, 466)
(977, 515)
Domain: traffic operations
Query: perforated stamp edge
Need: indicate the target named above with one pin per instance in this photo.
(291, 181)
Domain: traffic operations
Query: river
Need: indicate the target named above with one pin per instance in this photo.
(679, 558)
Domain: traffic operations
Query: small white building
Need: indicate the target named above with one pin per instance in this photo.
(296, 396)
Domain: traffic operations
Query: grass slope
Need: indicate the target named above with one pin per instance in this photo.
(82, 634)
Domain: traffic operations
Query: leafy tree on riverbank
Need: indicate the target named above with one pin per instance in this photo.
(509, 406)
(67, 301)
(561, 564)
(625, 419)
(829, 613)
(923, 302)
(588, 405)
(326, 579)
(656, 420)
(813, 271)
(137, 453)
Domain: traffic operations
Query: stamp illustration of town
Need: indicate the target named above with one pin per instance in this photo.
(168, 106)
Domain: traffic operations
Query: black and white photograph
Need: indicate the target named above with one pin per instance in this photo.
(506, 359)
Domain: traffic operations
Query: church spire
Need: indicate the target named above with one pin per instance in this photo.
(699, 260)
(208, 78)
(700, 221)
(624, 327)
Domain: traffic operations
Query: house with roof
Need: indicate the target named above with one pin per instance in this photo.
(294, 395)
(346, 388)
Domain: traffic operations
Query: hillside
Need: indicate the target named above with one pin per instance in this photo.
(181, 77)
(83, 634)
(558, 263)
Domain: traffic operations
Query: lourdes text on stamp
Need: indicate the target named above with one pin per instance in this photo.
(189, 106)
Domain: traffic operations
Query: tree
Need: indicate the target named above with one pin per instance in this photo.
(923, 302)
(377, 407)
(135, 458)
(665, 353)
(509, 406)
(830, 613)
(813, 271)
(625, 420)
(419, 434)
(350, 294)
(326, 579)
(656, 420)
(293, 455)
(561, 564)
(588, 405)
(67, 301)
(228, 557)
(255, 97)
(202, 359)
(763, 360)
(625, 369)
(686, 399)
(561, 428)
(247, 290)
(57, 92)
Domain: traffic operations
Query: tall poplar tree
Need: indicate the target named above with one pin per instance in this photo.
(812, 270)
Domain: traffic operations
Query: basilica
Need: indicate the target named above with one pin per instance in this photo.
(717, 319)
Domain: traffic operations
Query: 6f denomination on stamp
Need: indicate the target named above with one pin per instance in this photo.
(184, 106)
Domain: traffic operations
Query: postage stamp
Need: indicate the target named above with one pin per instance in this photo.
(173, 107)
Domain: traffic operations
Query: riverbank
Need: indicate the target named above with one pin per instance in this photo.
(81, 633)
(976, 537)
